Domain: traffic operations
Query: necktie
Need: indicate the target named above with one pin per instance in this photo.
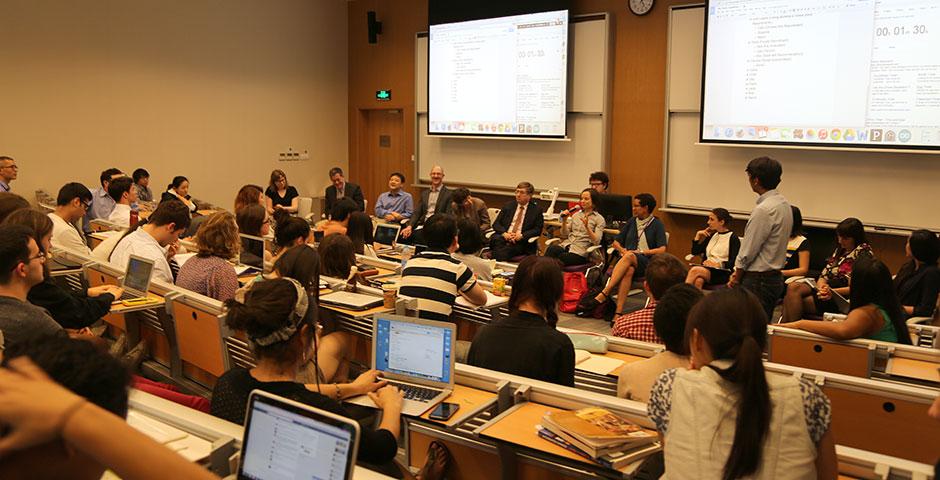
(517, 222)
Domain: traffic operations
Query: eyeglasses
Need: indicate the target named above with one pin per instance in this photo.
(86, 205)
(41, 256)
(14, 167)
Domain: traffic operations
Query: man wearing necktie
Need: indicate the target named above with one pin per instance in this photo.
(517, 223)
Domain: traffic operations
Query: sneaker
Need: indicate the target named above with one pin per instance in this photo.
(117, 348)
(132, 359)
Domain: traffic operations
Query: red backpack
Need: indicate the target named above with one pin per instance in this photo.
(575, 288)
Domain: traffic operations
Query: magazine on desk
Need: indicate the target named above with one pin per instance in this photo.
(597, 431)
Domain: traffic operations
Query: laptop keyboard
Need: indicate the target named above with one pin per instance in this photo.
(416, 393)
(129, 296)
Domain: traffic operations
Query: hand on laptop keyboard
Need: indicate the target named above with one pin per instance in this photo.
(413, 392)
(388, 398)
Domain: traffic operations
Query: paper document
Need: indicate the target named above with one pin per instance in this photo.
(491, 301)
(154, 429)
(182, 258)
(599, 364)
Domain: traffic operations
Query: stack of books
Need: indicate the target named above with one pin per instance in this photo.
(599, 435)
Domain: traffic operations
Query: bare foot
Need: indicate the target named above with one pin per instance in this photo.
(436, 464)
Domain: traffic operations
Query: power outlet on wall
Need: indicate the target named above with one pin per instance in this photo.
(291, 156)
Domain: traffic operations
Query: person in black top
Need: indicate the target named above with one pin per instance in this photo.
(918, 281)
(281, 197)
(526, 342)
(281, 331)
(70, 310)
(519, 221)
(340, 188)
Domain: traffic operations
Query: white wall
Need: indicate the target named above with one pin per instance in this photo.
(209, 89)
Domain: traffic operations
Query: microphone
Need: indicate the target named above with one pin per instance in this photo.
(575, 209)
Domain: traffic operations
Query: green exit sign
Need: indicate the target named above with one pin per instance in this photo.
(383, 95)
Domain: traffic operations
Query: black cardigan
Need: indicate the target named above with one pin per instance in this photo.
(71, 310)
(734, 245)
(918, 288)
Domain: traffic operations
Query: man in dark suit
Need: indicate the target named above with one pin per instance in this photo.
(436, 199)
(340, 189)
(517, 222)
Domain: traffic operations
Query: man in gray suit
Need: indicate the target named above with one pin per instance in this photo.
(436, 199)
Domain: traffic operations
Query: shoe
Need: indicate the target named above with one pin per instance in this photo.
(437, 463)
(132, 359)
(117, 348)
(99, 329)
(588, 304)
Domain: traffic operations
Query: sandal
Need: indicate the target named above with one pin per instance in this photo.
(438, 460)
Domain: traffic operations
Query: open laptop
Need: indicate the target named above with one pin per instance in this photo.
(251, 257)
(137, 276)
(351, 301)
(415, 355)
(285, 440)
(385, 236)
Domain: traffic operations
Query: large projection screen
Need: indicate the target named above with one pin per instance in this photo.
(831, 73)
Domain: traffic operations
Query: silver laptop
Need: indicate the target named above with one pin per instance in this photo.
(137, 276)
(285, 440)
(415, 355)
(385, 236)
(351, 301)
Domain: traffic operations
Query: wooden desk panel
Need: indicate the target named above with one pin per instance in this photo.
(625, 357)
(156, 302)
(919, 369)
(468, 398)
(843, 358)
(357, 314)
(518, 428)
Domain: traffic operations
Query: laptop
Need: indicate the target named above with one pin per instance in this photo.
(251, 257)
(415, 355)
(137, 276)
(351, 301)
(284, 439)
(385, 236)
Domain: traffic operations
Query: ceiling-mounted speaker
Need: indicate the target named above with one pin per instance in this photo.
(375, 27)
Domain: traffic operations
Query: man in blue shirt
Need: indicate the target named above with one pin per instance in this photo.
(395, 205)
(101, 203)
(8, 171)
(763, 251)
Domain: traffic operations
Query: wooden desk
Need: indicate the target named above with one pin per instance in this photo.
(919, 369)
(359, 313)
(469, 400)
(157, 302)
(625, 357)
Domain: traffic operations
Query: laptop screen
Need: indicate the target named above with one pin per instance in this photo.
(252, 253)
(283, 442)
(385, 234)
(421, 351)
(138, 273)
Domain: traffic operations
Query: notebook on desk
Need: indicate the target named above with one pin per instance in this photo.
(416, 356)
(285, 439)
(351, 301)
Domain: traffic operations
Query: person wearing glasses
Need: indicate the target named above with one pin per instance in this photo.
(72, 204)
(8, 170)
(21, 267)
(599, 182)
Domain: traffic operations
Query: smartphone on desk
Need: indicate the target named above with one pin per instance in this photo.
(443, 411)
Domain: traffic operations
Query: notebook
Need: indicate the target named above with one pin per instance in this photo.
(351, 301)
(416, 356)
(285, 439)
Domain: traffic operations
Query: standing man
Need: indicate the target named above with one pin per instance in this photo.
(342, 189)
(764, 247)
(436, 199)
(71, 204)
(8, 170)
(518, 221)
(395, 205)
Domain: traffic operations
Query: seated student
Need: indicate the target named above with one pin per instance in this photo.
(636, 379)
(725, 417)
(470, 243)
(302, 263)
(436, 199)
(71, 205)
(874, 313)
(8, 172)
(76, 428)
(281, 327)
(396, 204)
(291, 231)
(471, 208)
(917, 283)
(21, 268)
(339, 217)
(142, 185)
(338, 258)
(101, 201)
(70, 310)
(802, 299)
(518, 221)
(279, 196)
(11, 202)
(718, 247)
(599, 182)
(664, 271)
(584, 229)
(156, 238)
(124, 194)
(178, 189)
(797, 249)
(641, 237)
(340, 188)
(359, 230)
(435, 278)
(526, 342)
(210, 273)
(248, 195)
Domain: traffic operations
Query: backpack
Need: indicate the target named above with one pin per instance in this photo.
(575, 288)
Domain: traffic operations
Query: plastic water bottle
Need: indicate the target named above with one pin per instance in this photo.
(405, 256)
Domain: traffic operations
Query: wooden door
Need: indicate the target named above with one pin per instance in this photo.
(380, 152)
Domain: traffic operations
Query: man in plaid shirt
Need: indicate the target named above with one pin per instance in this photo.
(663, 271)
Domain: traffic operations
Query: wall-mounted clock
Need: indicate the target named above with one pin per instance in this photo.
(640, 7)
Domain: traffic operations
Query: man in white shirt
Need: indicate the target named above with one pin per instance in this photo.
(71, 205)
(8, 171)
(157, 239)
(123, 193)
